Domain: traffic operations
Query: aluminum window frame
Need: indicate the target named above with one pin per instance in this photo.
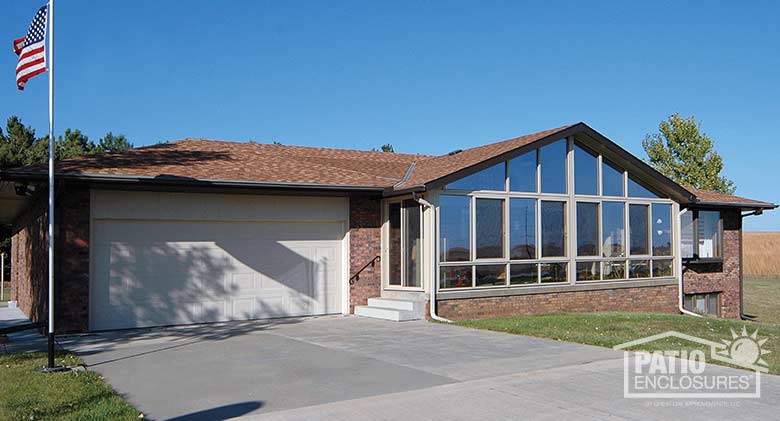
(570, 200)
(385, 250)
(696, 258)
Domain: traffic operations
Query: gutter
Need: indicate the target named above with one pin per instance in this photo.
(186, 181)
(681, 294)
(434, 284)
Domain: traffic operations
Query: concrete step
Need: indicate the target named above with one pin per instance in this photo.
(385, 313)
(418, 307)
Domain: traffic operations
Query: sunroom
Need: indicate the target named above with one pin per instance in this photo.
(563, 213)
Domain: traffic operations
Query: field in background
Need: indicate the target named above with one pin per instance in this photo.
(761, 253)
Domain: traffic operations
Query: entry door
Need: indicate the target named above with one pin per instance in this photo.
(404, 245)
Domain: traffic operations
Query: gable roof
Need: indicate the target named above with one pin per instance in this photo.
(225, 163)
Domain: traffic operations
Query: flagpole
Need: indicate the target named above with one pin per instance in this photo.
(51, 185)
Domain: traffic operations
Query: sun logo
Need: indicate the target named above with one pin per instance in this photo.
(745, 350)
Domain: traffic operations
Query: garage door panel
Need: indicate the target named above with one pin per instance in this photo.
(148, 273)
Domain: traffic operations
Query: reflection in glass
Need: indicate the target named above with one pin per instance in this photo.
(585, 172)
(587, 229)
(412, 244)
(553, 272)
(611, 180)
(709, 234)
(553, 229)
(662, 229)
(686, 234)
(588, 271)
(522, 173)
(639, 269)
(523, 274)
(454, 228)
(637, 190)
(613, 229)
(490, 275)
(662, 268)
(488, 179)
(522, 228)
(455, 277)
(637, 229)
(490, 228)
(613, 270)
(394, 245)
(552, 160)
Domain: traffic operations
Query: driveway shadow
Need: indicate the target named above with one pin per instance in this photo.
(222, 412)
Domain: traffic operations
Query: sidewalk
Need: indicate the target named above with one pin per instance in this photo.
(27, 341)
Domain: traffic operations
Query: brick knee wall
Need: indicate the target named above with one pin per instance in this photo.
(660, 299)
(29, 254)
(365, 241)
(725, 277)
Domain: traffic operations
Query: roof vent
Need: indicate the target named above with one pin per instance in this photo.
(455, 152)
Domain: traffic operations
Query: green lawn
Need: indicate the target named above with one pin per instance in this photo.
(762, 298)
(28, 394)
(610, 329)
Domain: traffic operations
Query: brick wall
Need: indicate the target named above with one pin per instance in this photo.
(724, 277)
(365, 242)
(661, 299)
(30, 259)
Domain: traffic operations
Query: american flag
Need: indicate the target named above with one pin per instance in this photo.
(31, 49)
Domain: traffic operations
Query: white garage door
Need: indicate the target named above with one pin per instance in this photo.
(164, 259)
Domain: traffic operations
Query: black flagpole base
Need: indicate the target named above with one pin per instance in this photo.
(52, 368)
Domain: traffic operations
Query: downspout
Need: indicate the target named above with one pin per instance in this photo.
(681, 294)
(434, 285)
(756, 212)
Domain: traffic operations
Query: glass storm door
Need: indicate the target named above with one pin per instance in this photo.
(404, 252)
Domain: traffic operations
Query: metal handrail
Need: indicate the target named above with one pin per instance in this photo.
(356, 277)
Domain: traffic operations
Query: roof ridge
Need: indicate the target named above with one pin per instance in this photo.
(252, 142)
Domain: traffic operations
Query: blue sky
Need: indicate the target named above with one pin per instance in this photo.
(426, 76)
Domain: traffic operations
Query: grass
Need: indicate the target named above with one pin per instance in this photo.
(609, 329)
(28, 394)
(6, 294)
(760, 251)
(762, 298)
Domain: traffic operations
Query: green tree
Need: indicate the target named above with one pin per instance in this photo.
(73, 145)
(16, 144)
(682, 152)
(110, 143)
(387, 147)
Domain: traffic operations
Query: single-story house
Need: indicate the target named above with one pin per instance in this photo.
(203, 231)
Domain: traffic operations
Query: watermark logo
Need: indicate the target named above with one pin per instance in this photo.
(684, 373)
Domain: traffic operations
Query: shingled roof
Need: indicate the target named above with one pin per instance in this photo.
(216, 161)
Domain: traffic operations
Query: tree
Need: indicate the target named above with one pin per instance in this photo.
(16, 144)
(73, 145)
(387, 147)
(111, 144)
(683, 153)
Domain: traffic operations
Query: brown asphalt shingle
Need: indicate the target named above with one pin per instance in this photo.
(707, 196)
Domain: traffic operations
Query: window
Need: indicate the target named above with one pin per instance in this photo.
(706, 304)
(588, 271)
(637, 229)
(662, 229)
(489, 230)
(455, 277)
(587, 229)
(454, 216)
(553, 229)
(523, 274)
(613, 229)
(492, 178)
(510, 225)
(635, 189)
(552, 163)
(709, 234)
(522, 228)
(586, 178)
(701, 234)
(611, 180)
(404, 245)
(490, 275)
(522, 173)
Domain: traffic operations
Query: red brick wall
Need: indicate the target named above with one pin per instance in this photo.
(724, 277)
(661, 299)
(29, 275)
(365, 242)
(30, 259)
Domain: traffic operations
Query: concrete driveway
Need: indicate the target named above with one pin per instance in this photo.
(355, 368)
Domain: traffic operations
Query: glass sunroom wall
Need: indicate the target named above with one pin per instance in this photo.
(560, 214)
